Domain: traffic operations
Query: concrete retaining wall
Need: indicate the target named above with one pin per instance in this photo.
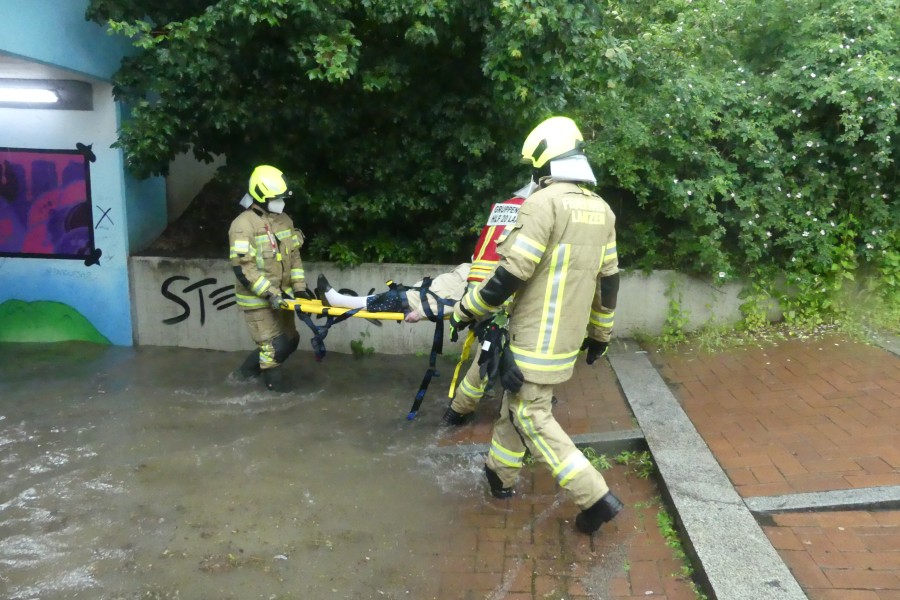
(188, 302)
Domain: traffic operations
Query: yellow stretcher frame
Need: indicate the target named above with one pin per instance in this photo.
(333, 314)
(315, 307)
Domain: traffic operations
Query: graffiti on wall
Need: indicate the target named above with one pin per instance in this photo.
(208, 291)
(45, 204)
(220, 297)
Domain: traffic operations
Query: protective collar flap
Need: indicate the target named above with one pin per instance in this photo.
(572, 168)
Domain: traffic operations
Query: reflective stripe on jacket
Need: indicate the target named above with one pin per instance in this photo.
(562, 244)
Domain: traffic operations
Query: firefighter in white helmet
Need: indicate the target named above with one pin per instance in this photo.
(560, 262)
(265, 258)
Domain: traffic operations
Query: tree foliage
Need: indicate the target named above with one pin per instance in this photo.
(759, 139)
(734, 138)
(397, 121)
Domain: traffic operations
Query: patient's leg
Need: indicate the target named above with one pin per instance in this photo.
(335, 298)
(332, 297)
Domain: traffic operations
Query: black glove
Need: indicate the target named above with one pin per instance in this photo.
(276, 300)
(595, 349)
(511, 377)
(456, 326)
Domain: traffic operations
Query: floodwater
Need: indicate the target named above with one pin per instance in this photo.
(148, 474)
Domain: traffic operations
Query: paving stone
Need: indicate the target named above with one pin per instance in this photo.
(839, 449)
(737, 559)
(794, 427)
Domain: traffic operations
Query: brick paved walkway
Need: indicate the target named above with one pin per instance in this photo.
(848, 555)
(799, 417)
(527, 548)
(806, 416)
(590, 402)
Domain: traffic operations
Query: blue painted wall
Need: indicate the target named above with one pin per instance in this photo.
(127, 214)
(55, 32)
(147, 211)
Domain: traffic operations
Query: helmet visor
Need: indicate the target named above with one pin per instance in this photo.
(286, 195)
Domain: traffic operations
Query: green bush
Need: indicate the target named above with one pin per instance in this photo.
(757, 140)
(751, 139)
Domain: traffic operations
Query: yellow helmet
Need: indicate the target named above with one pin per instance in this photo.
(267, 183)
(556, 137)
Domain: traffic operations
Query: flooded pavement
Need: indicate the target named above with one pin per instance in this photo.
(146, 473)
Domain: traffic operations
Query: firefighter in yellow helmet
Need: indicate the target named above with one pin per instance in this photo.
(265, 258)
(560, 262)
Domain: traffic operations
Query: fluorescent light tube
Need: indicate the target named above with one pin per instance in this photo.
(28, 95)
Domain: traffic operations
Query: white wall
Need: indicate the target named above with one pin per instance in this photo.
(158, 281)
(642, 305)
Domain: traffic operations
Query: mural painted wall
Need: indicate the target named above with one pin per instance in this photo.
(45, 322)
(69, 215)
(55, 249)
(45, 204)
(63, 224)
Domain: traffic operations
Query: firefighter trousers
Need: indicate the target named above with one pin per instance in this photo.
(273, 332)
(526, 421)
(470, 390)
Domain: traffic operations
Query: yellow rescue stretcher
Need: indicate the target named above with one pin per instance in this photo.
(315, 307)
(335, 314)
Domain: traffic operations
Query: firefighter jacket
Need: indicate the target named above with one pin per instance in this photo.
(485, 257)
(265, 256)
(563, 243)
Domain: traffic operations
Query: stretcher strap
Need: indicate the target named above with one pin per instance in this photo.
(320, 332)
(424, 292)
(437, 347)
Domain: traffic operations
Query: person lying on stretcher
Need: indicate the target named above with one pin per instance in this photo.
(448, 287)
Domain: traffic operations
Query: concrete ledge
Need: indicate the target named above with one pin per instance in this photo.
(874, 498)
(887, 341)
(731, 551)
(190, 303)
(613, 442)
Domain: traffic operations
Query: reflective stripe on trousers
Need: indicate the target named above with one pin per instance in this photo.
(471, 389)
(526, 420)
(265, 324)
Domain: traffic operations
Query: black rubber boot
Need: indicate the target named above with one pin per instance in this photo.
(322, 286)
(497, 489)
(590, 519)
(453, 418)
(249, 369)
(274, 380)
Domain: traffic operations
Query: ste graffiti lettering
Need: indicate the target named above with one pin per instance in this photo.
(222, 297)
